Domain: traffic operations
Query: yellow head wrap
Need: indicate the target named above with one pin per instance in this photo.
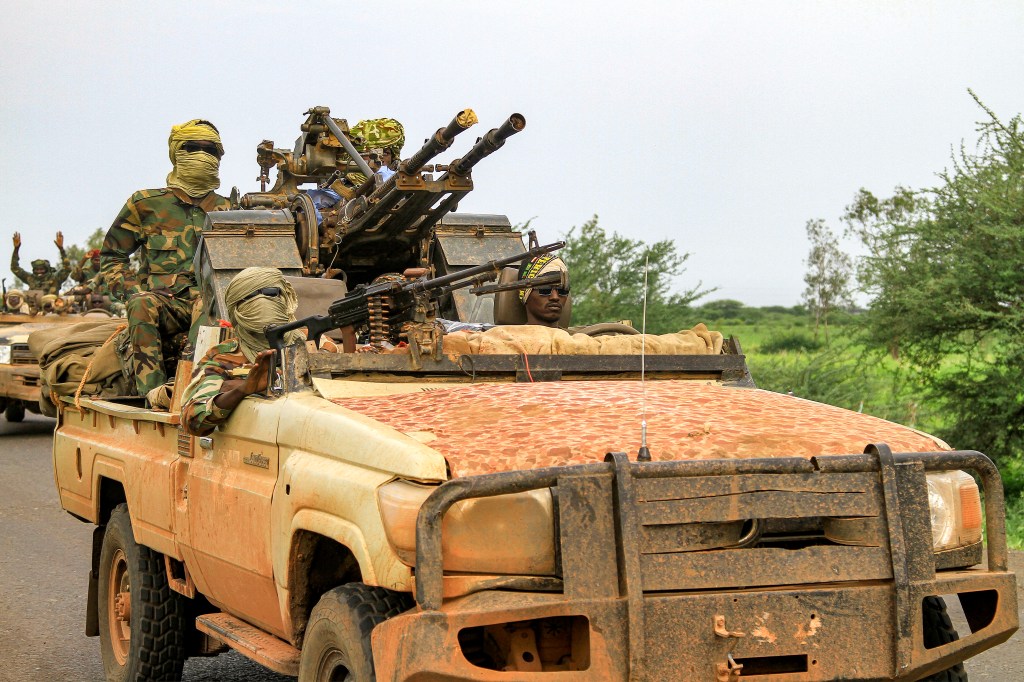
(541, 265)
(194, 172)
(250, 317)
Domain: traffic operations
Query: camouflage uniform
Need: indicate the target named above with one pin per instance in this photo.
(89, 276)
(165, 224)
(200, 416)
(48, 283)
(376, 136)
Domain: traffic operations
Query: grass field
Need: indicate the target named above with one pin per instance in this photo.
(783, 355)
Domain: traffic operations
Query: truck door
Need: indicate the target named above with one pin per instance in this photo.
(231, 483)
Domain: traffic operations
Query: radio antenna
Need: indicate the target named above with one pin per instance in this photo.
(644, 455)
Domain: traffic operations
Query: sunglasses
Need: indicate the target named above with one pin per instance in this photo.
(269, 292)
(208, 147)
(546, 291)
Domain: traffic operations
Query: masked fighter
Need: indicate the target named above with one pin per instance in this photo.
(164, 225)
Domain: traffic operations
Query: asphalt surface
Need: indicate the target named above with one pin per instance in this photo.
(44, 563)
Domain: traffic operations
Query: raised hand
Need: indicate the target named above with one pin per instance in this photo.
(59, 241)
(17, 240)
(258, 375)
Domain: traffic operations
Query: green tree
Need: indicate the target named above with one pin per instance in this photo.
(606, 274)
(828, 274)
(943, 269)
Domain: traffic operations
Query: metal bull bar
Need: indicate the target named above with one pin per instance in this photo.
(897, 487)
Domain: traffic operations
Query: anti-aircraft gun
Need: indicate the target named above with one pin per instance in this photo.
(315, 223)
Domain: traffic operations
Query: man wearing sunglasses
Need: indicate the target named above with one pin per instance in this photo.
(256, 298)
(163, 226)
(543, 304)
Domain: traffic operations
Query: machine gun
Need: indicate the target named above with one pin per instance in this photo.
(379, 226)
(407, 302)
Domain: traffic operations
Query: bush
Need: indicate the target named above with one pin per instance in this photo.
(790, 342)
(845, 377)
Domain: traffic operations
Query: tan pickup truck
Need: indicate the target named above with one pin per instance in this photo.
(448, 518)
(20, 378)
(517, 503)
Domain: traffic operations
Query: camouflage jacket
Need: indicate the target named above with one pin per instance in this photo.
(87, 275)
(48, 283)
(225, 361)
(165, 224)
(199, 416)
(83, 273)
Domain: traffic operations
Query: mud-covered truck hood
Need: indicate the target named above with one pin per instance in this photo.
(487, 428)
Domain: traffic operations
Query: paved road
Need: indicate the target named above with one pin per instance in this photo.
(44, 561)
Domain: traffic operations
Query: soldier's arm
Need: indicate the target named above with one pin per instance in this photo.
(124, 238)
(200, 416)
(16, 267)
(65, 266)
(202, 412)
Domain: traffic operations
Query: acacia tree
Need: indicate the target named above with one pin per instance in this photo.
(828, 274)
(943, 269)
(606, 274)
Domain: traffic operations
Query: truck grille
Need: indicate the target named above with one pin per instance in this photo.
(632, 528)
(21, 355)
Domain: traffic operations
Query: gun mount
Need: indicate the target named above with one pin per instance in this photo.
(359, 232)
(401, 307)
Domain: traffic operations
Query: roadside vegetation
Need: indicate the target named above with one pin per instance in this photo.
(939, 344)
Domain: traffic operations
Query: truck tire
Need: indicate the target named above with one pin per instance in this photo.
(336, 647)
(142, 622)
(15, 412)
(939, 630)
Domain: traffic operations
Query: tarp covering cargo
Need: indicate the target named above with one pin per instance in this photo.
(535, 340)
(66, 353)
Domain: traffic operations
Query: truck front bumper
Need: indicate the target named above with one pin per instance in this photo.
(796, 607)
(823, 632)
(19, 383)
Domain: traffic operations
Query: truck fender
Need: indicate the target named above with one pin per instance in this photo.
(340, 530)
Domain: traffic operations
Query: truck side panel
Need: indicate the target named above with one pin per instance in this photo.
(96, 442)
(231, 482)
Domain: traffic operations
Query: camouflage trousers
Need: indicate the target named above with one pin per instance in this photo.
(154, 319)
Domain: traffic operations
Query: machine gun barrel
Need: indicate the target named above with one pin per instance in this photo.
(488, 144)
(369, 193)
(440, 141)
(321, 116)
(354, 308)
(492, 266)
(347, 144)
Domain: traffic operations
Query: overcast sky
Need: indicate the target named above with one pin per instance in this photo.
(724, 126)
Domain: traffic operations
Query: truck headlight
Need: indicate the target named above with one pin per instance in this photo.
(5, 353)
(506, 534)
(955, 506)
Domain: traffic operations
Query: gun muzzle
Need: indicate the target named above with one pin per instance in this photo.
(440, 141)
(488, 144)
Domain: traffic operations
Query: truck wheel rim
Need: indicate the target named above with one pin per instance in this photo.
(332, 668)
(119, 607)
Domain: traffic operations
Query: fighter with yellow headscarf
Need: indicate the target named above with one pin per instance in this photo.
(543, 304)
(256, 298)
(195, 150)
(164, 226)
